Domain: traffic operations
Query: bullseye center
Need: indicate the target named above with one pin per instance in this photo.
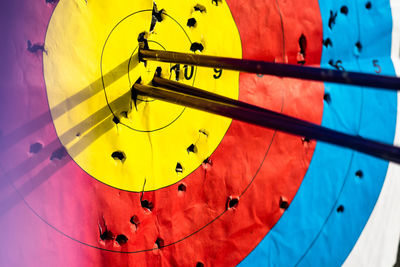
(153, 144)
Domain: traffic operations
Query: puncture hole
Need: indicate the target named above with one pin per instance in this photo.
(156, 17)
(359, 174)
(327, 42)
(106, 235)
(200, 8)
(158, 71)
(207, 161)
(303, 48)
(368, 5)
(199, 264)
(344, 10)
(142, 38)
(215, 2)
(59, 154)
(135, 220)
(182, 187)
(159, 243)
(35, 148)
(327, 98)
(232, 202)
(332, 19)
(359, 46)
(147, 204)
(116, 120)
(340, 209)
(192, 149)
(34, 48)
(196, 47)
(118, 155)
(191, 22)
(121, 239)
(203, 132)
(124, 114)
(283, 204)
(179, 168)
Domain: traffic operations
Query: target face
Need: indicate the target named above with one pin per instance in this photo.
(121, 183)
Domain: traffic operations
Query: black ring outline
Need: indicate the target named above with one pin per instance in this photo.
(102, 77)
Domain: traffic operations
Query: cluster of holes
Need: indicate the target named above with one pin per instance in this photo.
(327, 42)
(106, 235)
(192, 22)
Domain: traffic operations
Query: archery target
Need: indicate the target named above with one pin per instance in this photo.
(245, 194)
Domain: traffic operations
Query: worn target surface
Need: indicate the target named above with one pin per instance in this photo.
(103, 181)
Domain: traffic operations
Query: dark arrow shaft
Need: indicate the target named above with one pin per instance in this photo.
(276, 69)
(199, 99)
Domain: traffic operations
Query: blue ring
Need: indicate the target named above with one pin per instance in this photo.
(312, 232)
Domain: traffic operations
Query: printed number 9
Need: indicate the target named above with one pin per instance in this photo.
(218, 73)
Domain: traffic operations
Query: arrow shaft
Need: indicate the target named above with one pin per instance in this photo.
(276, 69)
(199, 99)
